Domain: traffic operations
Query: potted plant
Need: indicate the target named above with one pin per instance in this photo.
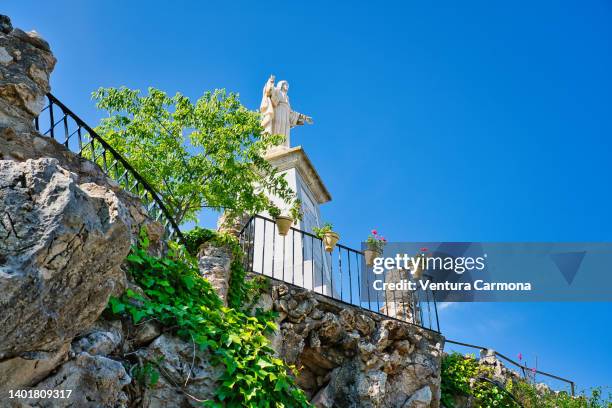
(375, 244)
(329, 237)
(283, 222)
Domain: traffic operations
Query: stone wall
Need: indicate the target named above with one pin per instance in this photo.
(350, 357)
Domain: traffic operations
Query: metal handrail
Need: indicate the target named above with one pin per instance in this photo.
(298, 259)
(523, 367)
(171, 228)
(502, 388)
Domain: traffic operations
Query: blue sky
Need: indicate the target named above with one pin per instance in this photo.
(470, 121)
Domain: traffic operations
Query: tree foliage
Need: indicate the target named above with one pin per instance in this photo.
(203, 154)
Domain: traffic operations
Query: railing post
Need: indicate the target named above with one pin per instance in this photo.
(52, 129)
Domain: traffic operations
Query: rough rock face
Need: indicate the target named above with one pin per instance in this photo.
(214, 263)
(354, 358)
(182, 366)
(60, 254)
(25, 65)
(65, 229)
(95, 381)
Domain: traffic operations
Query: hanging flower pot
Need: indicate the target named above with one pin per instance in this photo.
(283, 223)
(370, 254)
(330, 239)
(376, 243)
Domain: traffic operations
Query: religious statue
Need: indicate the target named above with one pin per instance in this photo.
(278, 118)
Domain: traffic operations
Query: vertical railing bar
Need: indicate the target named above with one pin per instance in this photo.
(340, 272)
(367, 272)
(274, 247)
(378, 296)
(252, 242)
(93, 150)
(358, 277)
(65, 120)
(322, 259)
(420, 310)
(292, 256)
(284, 243)
(104, 164)
(394, 304)
(331, 273)
(348, 257)
(302, 244)
(433, 296)
(263, 249)
(52, 130)
(80, 138)
(312, 262)
(428, 309)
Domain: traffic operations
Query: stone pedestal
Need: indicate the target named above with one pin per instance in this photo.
(304, 180)
(297, 257)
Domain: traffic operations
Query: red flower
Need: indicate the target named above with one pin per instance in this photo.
(423, 249)
(383, 239)
(374, 232)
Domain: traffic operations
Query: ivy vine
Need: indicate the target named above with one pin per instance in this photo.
(177, 296)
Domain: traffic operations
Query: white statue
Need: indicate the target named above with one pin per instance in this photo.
(278, 118)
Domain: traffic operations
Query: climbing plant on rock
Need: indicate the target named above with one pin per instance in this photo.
(207, 153)
(178, 297)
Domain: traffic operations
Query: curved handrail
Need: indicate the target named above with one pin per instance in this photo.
(500, 387)
(116, 156)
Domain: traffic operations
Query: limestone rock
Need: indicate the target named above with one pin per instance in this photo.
(420, 399)
(95, 381)
(59, 257)
(25, 65)
(145, 333)
(98, 343)
(179, 363)
(30, 368)
(214, 263)
(164, 394)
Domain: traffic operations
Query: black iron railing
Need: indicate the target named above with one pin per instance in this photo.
(299, 258)
(523, 369)
(60, 123)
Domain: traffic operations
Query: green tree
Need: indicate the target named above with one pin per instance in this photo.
(203, 154)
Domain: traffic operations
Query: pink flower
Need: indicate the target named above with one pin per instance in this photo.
(423, 249)
(534, 371)
(374, 232)
(383, 239)
(520, 356)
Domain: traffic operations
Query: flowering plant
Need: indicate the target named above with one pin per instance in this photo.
(376, 242)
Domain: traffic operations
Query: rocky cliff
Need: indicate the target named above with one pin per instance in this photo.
(65, 229)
